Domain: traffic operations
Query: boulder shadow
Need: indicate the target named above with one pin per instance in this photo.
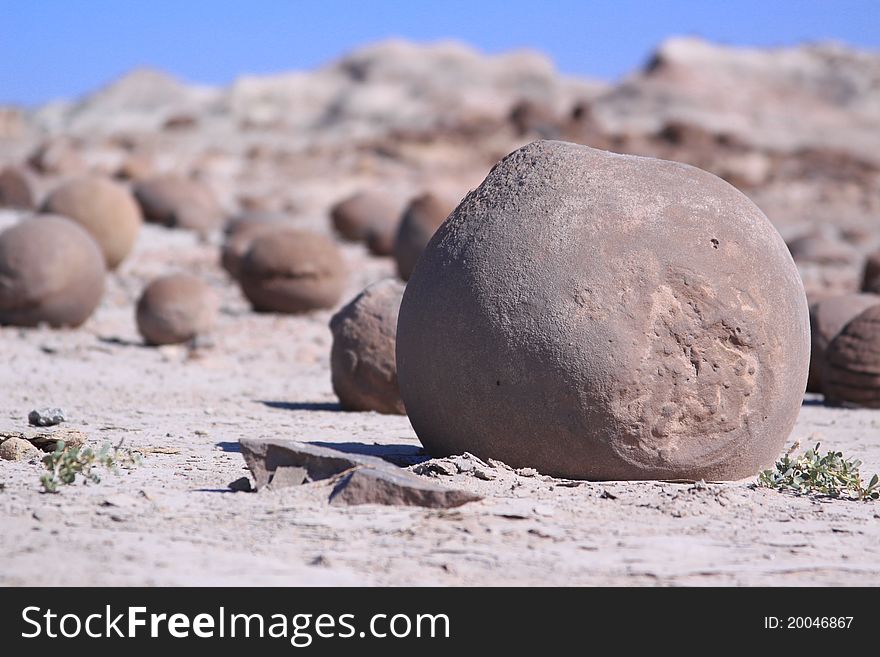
(229, 446)
(301, 406)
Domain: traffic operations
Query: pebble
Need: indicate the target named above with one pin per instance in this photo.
(46, 417)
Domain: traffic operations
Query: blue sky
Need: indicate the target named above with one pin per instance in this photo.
(63, 48)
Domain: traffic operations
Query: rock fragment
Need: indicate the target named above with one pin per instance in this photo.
(421, 219)
(17, 449)
(46, 417)
(387, 487)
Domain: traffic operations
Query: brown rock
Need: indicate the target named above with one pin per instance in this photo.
(399, 488)
(106, 209)
(242, 231)
(827, 317)
(367, 214)
(600, 316)
(292, 271)
(175, 309)
(362, 360)
(178, 203)
(871, 274)
(852, 362)
(51, 271)
(422, 217)
(17, 449)
(17, 188)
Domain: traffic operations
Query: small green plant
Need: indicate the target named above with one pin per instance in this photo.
(65, 463)
(831, 475)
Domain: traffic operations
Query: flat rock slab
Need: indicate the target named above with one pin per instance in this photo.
(280, 463)
(264, 457)
(395, 487)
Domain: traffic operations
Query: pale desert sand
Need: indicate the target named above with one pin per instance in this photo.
(172, 521)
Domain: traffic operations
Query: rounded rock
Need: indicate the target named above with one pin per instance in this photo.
(17, 449)
(362, 359)
(51, 271)
(178, 202)
(106, 209)
(17, 188)
(851, 374)
(292, 271)
(602, 316)
(366, 214)
(241, 233)
(174, 309)
(422, 217)
(827, 317)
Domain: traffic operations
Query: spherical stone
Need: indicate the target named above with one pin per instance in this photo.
(871, 273)
(176, 308)
(51, 270)
(17, 188)
(422, 217)
(358, 216)
(17, 449)
(362, 361)
(603, 316)
(239, 237)
(292, 271)
(827, 317)
(178, 203)
(852, 362)
(245, 220)
(106, 209)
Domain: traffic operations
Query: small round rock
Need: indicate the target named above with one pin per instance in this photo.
(178, 202)
(601, 316)
(17, 449)
(362, 359)
(852, 362)
(106, 209)
(366, 213)
(51, 271)
(241, 233)
(17, 188)
(292, 271)
(422, 217)
(176, 308)
(827, 317)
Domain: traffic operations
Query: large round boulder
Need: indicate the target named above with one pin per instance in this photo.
(106, 209)
(292, 271)
(176, 308)
(362, 360)
(51, 271)
(603, 316)
(827, 317)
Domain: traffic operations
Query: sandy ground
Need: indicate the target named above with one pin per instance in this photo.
(173, 522)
